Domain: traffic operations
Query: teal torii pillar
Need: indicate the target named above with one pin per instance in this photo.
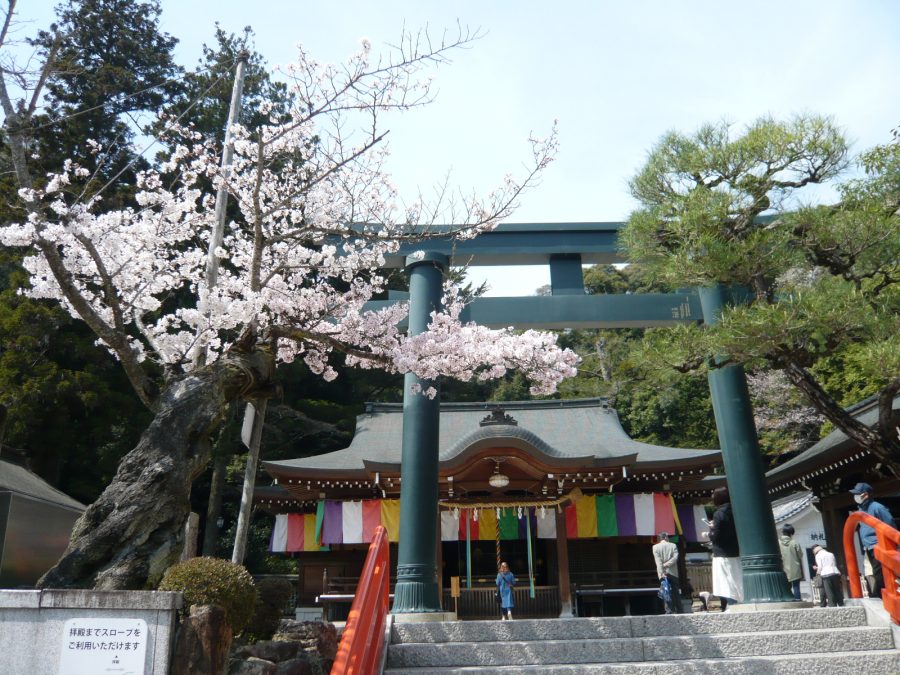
(417, 585)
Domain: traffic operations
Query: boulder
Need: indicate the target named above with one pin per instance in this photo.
(252, 666)
(313, 636)
(270, 650)
(203, 641)
(299, 666)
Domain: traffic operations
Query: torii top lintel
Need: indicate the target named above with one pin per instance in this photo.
(522, 244)
(564, 247)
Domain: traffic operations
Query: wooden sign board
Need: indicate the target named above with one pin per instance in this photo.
(454, 587)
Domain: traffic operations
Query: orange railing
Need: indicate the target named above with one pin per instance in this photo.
(359, 652)
(885, 552)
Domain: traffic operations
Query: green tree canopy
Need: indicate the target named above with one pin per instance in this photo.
(725, 208)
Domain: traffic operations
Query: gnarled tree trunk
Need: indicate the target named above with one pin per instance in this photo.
(134, 531)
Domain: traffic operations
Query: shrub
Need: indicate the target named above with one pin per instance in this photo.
(272, 596)
(213, 581)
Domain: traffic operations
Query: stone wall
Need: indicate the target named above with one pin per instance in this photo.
(31, 625)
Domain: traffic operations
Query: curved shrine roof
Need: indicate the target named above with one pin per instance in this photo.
(578, 432)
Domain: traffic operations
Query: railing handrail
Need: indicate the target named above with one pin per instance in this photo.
(885, 552)
(363, 636)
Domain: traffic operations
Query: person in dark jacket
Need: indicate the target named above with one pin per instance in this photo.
(863, 495)
(727, 576)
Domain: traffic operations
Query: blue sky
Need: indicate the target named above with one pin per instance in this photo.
(616, 76)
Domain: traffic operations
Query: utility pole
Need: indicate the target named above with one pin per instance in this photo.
(218, 232)
(253, 423)
(200, 351)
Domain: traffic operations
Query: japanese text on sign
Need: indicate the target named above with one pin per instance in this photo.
(96, 645)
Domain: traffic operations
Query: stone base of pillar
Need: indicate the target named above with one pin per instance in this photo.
(424, 617)
(566, 611)
(764, 580)
(416, 597)
(768, 606)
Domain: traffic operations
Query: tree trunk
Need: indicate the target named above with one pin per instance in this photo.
(214, 506)
(134, 531)
(881, 445)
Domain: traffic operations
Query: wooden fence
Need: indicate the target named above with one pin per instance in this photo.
(481, 603)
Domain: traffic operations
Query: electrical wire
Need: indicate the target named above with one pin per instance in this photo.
(85, 111)
(156, 140)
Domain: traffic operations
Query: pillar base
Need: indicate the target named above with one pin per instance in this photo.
(424, 617)
(416, 590)
(764, 580)
(768, 606)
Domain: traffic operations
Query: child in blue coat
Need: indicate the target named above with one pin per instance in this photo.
(505, 582)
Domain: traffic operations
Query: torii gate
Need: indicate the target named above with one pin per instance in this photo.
(565, 246)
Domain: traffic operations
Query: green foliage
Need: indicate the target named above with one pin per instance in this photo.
(205, 95)
(701, 196)
(71, 411)
(213, 581)
(112, 64)
(723, 209)
(273, 595)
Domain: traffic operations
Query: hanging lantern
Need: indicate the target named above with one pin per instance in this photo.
(497, 479)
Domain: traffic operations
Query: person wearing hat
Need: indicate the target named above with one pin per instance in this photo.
(665, 554)
(826, 567)
(791, 559)
(863, 495)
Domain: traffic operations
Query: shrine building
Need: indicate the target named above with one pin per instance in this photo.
(555, 488)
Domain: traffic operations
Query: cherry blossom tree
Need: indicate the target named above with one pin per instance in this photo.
(316, 215)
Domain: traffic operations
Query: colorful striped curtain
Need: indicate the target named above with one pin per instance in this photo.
(546, 524)
(589, 516)
(487, 525)
(294, 533)
(390, 518)
(626, 515)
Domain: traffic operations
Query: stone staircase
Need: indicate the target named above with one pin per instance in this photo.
(834, 640)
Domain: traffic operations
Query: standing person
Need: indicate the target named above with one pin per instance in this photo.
(505, 583)
(827, 568)
(791, 559)
(727, 575)
(665, 553)
(863, 496)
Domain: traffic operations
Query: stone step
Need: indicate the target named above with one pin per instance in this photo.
(625, 627)
(843, 663)
(638, 649)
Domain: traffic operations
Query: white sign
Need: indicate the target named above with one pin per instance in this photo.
(247, 427)
(97, 646)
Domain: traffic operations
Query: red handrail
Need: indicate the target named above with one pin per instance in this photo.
(885, 552)
(363, 636)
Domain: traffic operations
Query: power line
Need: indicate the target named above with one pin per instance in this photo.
(181, 77)
(156, 140)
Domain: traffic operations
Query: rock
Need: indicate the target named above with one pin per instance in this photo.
(270, 650)
(203, 641)
(252, 666)
(313, 636)
(300, 666)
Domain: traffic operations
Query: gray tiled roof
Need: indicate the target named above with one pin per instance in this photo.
(788, 507)
(563, 430)
(833, 445)
(18, 479)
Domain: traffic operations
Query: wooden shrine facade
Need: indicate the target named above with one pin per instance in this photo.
(556, 488)
(832, 466)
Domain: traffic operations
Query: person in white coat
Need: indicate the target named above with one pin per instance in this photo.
(826, 567)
